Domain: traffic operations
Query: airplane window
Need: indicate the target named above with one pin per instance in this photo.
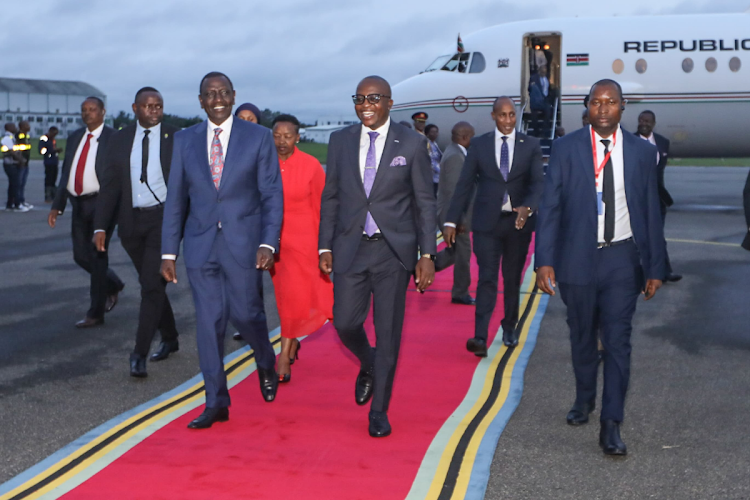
(438, 63)
(457, 62)
(618, 66)
(711, 64)
(687, 65)
(735, 64)
(641, 66)
(477, 63)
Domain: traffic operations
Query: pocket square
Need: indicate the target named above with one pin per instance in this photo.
(398, 161)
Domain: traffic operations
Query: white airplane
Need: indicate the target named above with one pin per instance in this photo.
(692, 71)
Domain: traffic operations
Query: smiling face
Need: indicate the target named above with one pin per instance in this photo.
(605, 109)
(504, 115)
(149, 109)
(374, 116)
(217, 99)
(646, 123)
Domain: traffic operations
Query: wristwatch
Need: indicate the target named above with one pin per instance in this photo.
(431, 257)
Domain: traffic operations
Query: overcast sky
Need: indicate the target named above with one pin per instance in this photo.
(299, 56)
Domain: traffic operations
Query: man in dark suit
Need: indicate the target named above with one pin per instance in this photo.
(134, 185)
(542, 98)
(377, 211)
(82, 168)
(600, 237)
(746, 202)
(459, 254)
(225, 200)
(646, 124)
(506, 167)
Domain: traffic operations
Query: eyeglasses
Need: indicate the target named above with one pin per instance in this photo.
(371, 98)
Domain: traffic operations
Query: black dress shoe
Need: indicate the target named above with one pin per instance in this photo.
(269, 382)
(477, 346)
(237, 336)
(609, 439)
(579, 414)
(165, 349)
(379, 425)
(467, 300)
(209, 417)
(89, 322)
(509, 338)
(112, 300)
(363, 387)
(138, 366)
(673, 278)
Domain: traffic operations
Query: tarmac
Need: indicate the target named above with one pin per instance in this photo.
(686, 412)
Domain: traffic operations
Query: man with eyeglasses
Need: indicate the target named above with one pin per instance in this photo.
(133, 191)
(225, 200)
(376, 214)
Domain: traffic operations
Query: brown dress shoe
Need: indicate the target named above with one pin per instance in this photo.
(89, 322)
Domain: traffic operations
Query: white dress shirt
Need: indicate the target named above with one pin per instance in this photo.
(226, 131)
(507, 207)
(90, 180)
(622, 216)
(545, 85)
(463, 149)
(142, 197)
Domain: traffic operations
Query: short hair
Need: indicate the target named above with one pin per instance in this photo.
(429, 127)
(502, 98)
(606, 81)
(285, 118)
(94, 98)
(648, 112)
(145, 89)
(53, 128)
(586, 102)
(214, 74)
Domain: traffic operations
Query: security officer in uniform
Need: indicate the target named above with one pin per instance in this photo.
(23, 144)
(50, 152)
(12, 162)
(420, 121)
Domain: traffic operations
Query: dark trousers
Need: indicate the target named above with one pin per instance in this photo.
(375, 272)
(104, 281)
(14, 176)
(458, 256)
(50, 180)
(542, 121)
(512, 246)
(666, 254)
(143, 246)
(609, 302)
(23, 176)
(225, 291)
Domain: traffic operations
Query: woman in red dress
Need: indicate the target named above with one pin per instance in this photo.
(304, 295)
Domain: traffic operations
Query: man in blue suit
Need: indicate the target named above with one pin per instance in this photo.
(600, 237)
(225, 200)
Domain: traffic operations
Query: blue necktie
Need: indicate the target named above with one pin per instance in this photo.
(371, 169)
(505, 164)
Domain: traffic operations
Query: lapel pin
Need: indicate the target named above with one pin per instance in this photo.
(520, 140)
(166, 136)
(395, 140)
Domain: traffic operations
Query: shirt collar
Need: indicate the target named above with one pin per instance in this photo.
(96, 132)
(382, 130)
(618, 133)
(155, 130)
(225, 125)
(499, 136)
(463, 149)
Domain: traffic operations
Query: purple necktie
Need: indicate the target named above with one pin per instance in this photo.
(505, 164)
(371, 168)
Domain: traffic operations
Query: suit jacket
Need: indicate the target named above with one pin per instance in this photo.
(524, 185)
(746, 202)
(450, 171)
(402, 199)
(74, 139)
(566, 233)
(116, 193)
(662, 144)
(249, 202)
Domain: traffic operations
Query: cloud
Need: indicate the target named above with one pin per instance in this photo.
(298, 56)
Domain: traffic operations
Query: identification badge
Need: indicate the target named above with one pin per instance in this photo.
(599, 203)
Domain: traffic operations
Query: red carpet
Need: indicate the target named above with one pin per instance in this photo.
(312, 442)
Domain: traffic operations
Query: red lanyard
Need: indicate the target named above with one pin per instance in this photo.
(598, 168)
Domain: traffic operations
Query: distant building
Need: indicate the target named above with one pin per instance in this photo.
(44, 103)
(324, 127)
